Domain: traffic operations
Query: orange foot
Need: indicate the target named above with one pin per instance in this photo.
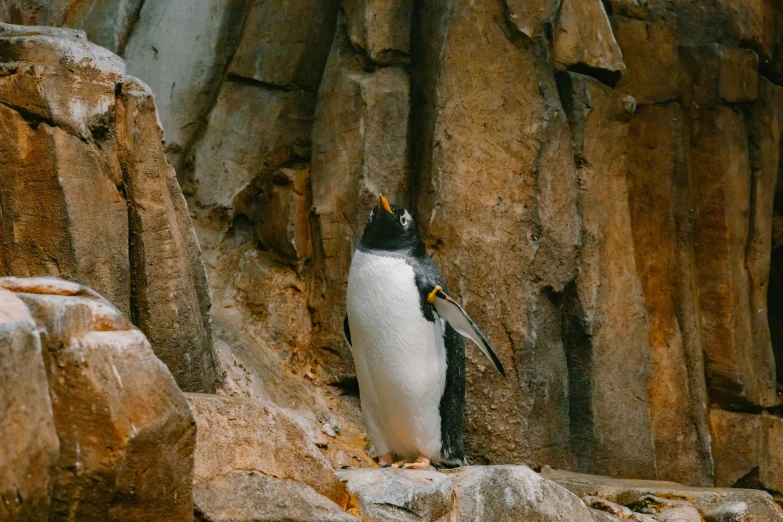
(386, 460)
(420, 463)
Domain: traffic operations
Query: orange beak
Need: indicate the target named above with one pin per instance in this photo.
(384, 204)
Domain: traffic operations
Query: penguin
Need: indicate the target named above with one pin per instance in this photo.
(405, 332)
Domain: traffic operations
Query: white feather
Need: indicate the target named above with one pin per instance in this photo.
(399, 355)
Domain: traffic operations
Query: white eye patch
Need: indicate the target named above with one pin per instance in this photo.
(405, 218)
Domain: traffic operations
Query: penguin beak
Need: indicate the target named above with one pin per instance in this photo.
(384, 204)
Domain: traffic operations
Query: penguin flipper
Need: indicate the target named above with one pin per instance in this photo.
(450, 311)
(347, 330)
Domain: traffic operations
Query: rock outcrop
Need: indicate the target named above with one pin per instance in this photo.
(87, 194)
(656, 497)
(116, 441)
(596, 179)
(512, 493)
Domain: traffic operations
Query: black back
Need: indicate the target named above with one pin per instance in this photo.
(388, 234)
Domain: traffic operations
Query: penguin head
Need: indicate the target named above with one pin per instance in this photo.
(391, 227)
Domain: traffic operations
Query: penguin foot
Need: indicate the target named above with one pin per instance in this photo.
(386, 460)
(419, 463)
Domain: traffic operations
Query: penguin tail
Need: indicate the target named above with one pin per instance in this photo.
(452, 462)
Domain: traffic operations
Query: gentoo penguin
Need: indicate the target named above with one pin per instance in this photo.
(403, 328)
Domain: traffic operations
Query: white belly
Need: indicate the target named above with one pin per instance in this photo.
(400, 357)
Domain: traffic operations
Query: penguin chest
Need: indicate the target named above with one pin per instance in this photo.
(400, 356)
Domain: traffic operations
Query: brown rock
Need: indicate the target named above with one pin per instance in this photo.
(630, 8)
(764, 121)
(738, 371)
(126, 432)
(285, 43)
(106, 211)
(279, 207)
(240, 434)
(661, 218)
(626, 491)
(496, 203)
(583, 37)
(653, 72)
(381, 27)
(30, 447)
(532, 17)
(747, 450)
(169, 284)
(606, 342)
(719, 74)
(249, 496)
(278, 121)
(360, 149)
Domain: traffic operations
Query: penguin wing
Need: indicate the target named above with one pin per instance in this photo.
(347, 330)
(450, 311)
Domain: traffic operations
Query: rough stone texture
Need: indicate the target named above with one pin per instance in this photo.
(513, 493)
(236, 434)
(382, 28)
(739, 372)
(360, 148)
(30, 447)
(746, 449)
(533, 18)
(584, 39)
(106, 23)
(661, 216)
(183, 67)
(107, 211)
(625, 492)
(720, 74)
(125, 430)
(223, 164)
(249, 496)
(285, 44)
(605, 340)
(396, 494)
(653, 72)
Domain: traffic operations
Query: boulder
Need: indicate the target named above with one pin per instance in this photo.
(513, 493)
(250, 496)
(396, 494)
(237, 434)
(30, 447)
(107, 211)
(125, 430)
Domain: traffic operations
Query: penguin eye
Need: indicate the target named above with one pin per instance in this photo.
(403, 220)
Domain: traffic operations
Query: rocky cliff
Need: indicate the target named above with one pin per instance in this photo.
(597, 181)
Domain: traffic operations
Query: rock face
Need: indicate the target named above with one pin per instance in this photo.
(126, 434)
(596, 179)
(30, 449)
(107, 210)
